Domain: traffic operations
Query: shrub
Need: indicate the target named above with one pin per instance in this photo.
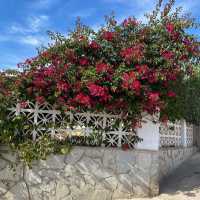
(127, 68)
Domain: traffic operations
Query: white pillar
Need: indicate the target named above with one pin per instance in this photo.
(150, 134)
(184, 133)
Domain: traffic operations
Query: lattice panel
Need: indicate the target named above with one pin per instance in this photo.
(189, 135)
(170, 135)
(44, 119)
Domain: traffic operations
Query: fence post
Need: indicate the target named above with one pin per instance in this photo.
(18, 109)
(149, 132)
(184, 133)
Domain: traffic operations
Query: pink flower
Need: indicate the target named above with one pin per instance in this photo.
(127, 53)
(39, 82)
(127, 79)
(130, 22)
(45, 54)
(62, 86)
(152, 77)
(102, 67)
(136, 85)
(142, 69)
(99, 91)
(96, 90)
(107, 35)
(171, 94)
(168, 55)
(94, 45)
(81, 37)
(175, 35)
(23, 104)
(135, 52)
(84, 61)
(129, 82)
(40, 99)
(153, 97)
(83, 99)
(49, 72)
(171, 76)
(170, 27)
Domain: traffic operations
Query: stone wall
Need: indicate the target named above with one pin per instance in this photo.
(171, 158)
(85, 174)
(89, 173)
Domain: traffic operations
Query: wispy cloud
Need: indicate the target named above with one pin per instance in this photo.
(188, 5)
(36, 23)
(30, 32)
(33, 24)
(30, 40)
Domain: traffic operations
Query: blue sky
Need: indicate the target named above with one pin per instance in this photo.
(23, 23)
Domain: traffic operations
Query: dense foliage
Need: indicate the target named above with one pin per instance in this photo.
(126, 68)
(192, 99)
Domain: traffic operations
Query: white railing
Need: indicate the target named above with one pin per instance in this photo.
(170, 135)
(100, 129)
(178, 134)
(107, 130)
(189, 135)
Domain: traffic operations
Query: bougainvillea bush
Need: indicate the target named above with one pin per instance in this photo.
(126, 68)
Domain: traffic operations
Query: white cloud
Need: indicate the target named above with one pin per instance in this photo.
(36, 23)
(17, 28)
(30, 33)
(31, 40)
(188, 5)
(34, 40)
(33, 24)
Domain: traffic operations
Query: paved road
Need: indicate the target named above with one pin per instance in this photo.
(183, 184)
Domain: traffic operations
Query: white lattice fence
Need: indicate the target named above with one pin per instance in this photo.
(170, 135)
(176, 134)
(75, 127)
(189, 135)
